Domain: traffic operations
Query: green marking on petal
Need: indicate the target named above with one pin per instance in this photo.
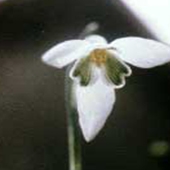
(116, 70)
(83, 70)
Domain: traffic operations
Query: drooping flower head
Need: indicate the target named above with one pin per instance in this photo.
(99, 68)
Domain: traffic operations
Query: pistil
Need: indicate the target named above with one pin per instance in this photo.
(99, 56)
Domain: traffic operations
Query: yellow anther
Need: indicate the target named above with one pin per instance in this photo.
(99, 56)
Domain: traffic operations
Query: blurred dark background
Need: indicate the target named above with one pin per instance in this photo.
(33, 133)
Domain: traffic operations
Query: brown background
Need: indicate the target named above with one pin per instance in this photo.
(33, 134)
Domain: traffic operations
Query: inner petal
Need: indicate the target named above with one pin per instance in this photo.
(83, 71)
(116, 70)
(113, 68)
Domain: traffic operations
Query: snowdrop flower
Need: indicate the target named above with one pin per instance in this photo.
(99, 69)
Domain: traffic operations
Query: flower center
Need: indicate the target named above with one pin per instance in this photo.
(114, 69)
(99, 56)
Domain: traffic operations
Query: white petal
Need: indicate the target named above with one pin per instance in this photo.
(96, 39)
(142, 52)
(94, 104)
(66, 52)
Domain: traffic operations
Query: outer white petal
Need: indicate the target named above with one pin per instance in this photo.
(94, 104)
(66, 52)
(96, 39)
(142, 52)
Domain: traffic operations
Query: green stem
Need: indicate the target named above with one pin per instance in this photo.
(74, 146)
(74, 142)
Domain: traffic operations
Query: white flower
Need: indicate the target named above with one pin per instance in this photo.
(99, 69)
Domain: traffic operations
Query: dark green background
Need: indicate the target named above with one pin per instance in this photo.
(33, 134)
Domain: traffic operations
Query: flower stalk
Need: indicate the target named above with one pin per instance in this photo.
(74, 137)
(74, 143)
